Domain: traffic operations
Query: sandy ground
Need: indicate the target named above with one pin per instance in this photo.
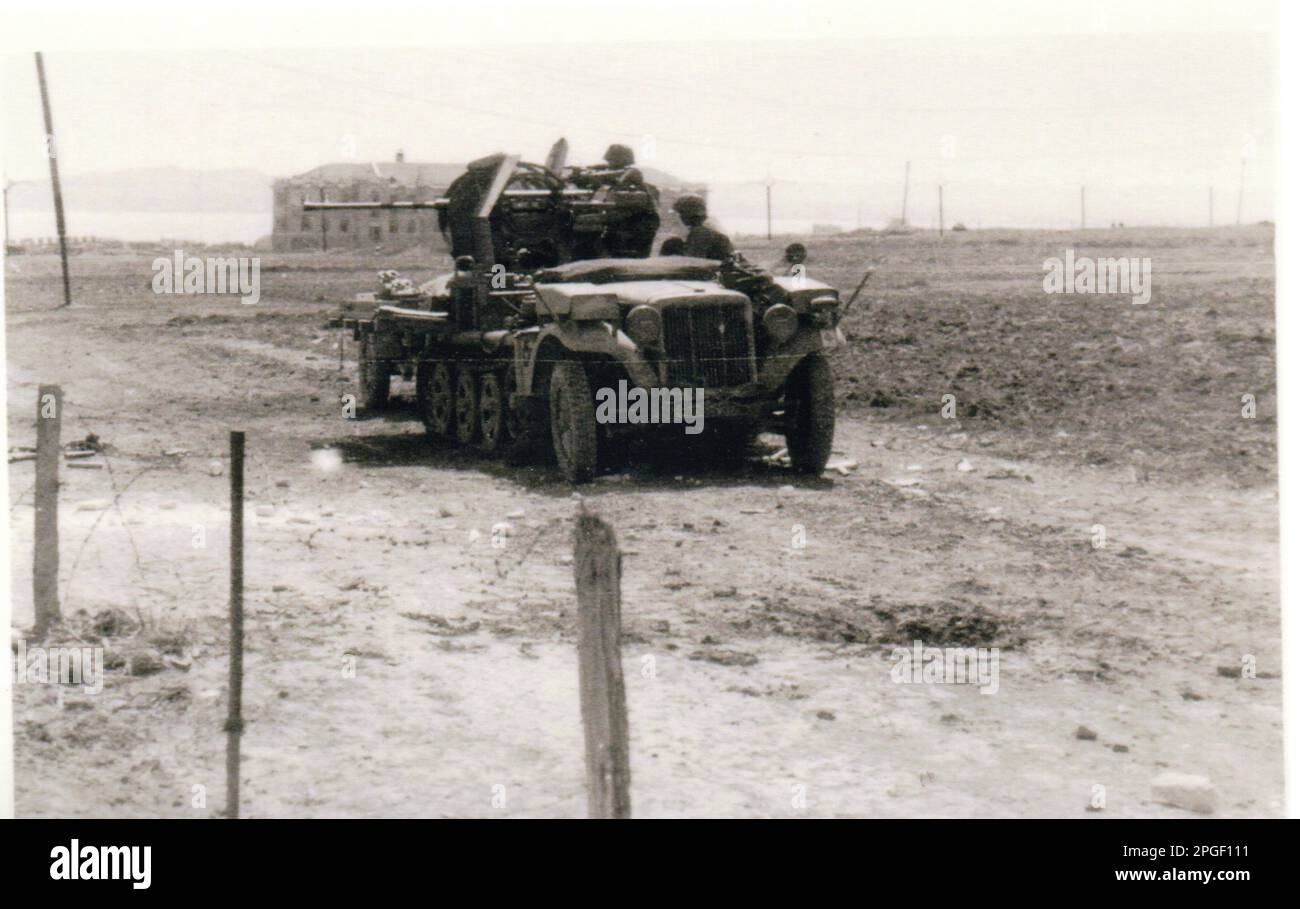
(401, 664)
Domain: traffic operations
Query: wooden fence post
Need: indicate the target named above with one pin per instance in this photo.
(597, 570)
(45, 546)
(234, 719)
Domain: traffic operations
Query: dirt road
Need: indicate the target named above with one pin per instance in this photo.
(404, 659)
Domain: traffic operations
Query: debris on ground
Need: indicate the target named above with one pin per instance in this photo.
(1188, 791)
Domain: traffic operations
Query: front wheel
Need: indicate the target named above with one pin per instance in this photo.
(573, 422)
(810, 414)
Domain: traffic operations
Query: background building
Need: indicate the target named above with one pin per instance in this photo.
(398, 180)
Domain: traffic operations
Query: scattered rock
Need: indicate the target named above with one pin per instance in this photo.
(1085, 734)
(145, 663)
(1188, 791)
(723, 593)
(725, 657)
(1119, 749)
(94, 505)
(515, 515)
(964, 466)
(825, 715)
(265, 511)
(353, 583)
(216, 468)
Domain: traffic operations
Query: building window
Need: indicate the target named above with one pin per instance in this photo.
(394, 227)
(306, 224)
(343, 227)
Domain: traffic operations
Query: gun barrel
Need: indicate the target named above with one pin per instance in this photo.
(373, 206)
(566, 193)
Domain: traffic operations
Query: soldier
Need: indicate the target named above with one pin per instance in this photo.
(673, 246)
(619, 171)
(796, 254)
(634, 219)
(702, 241)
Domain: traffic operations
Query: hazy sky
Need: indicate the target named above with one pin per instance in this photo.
(992, 100)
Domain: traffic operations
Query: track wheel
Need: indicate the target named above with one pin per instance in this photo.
(492, 433)
(466, 406)
(573, 422)
(372, 376)
(436, 397)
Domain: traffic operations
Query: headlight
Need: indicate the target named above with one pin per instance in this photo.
(825, 312)
(644, 325)
(781, 322)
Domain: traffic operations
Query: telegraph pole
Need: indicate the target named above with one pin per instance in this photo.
(907, 178)
(54, 178)
(769, 208)
(1241, 190)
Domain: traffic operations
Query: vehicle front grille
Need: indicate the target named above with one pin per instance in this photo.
(708, 345)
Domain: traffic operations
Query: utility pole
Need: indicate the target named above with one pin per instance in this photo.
(907, 178)
(941, 209)
(768, 185)
(54, 178)
(1241, 190)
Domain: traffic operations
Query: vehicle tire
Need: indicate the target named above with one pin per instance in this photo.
(573, 422)
(810, 414)
(466, 406)
(491, 413)
(437, 398)
(373, 376)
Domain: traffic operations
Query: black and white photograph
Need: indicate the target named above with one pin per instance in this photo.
(663, 411)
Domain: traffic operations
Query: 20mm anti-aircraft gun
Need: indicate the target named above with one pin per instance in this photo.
(555, 301)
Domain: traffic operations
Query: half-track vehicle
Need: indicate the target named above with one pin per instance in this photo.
(555, 299)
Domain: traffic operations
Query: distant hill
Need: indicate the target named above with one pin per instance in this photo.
(151, 189)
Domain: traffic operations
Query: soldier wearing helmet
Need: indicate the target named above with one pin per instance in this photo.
(619, 171)
(702, 241)
(796, 254)
(619, 156)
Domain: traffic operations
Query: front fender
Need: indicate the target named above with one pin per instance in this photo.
(595, 338)
(779, 363)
